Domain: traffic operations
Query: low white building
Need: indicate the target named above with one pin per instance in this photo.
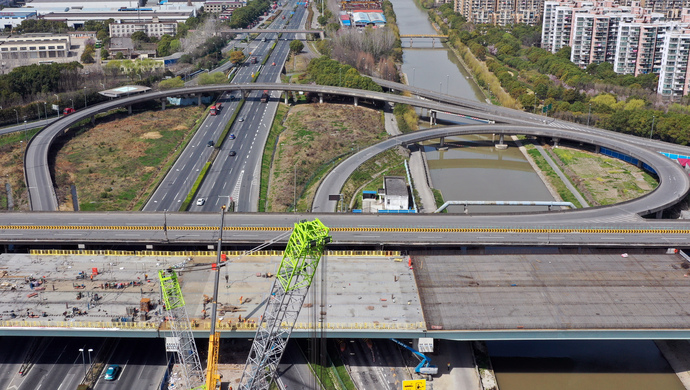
(395, 194)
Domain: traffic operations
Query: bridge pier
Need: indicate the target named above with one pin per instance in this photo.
(555, 142)
(286, 96)
(597, 149)
(442, 142)
(198, 100)
(501, 145)
(129, 109)
(659, 214)
(163, 104)
(639, 164)
(320, 98)
(432, 118)
(356, 100)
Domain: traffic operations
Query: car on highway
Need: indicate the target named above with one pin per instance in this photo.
(111, 372)
(200, 201)
(232, 153)
(232, 136)
(240, 119)
(273, 64)
(210, 143)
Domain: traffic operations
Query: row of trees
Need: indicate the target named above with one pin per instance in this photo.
(23, 83)
(243, 17)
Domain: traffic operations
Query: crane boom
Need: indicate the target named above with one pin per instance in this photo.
(212, 375)
(425, 366)
(293, 278)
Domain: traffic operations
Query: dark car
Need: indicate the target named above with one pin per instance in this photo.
(232, 136)
(210, 143)
(232, 153)
(111, 372)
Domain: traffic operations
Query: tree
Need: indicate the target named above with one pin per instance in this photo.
(104, 53)
(140, 36)
(171, 83)
(236, 56)
(87, 55)
(296, 46)
(212, 78)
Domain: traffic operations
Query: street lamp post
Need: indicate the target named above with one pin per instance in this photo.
(90, 350)
(16, 113)
(652, 132)
(72, 103)
(58, 104)
(24, 130)
(38, 110)
(589, 113)
(413, 69)
(86, 104)
(83, 360)
(45, 108)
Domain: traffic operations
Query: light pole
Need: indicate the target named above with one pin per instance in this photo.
(447, 83)
(45, 108)
(165, 223)
(90, 350)
(294, 190)
(589, 113)
(83, 360)
(25, 130)
(58, 104)
(38, 110)
(72, 103)
(86, 104)
(652, 132)
(16, 113)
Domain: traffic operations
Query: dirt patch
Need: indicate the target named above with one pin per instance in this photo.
(315, 135)
(116, 163)
(12, 172)
(153, 134)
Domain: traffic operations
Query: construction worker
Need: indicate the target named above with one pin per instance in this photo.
(448, 367)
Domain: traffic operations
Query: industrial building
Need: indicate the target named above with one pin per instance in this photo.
(11, 19)
(34, 46)
(216, 7)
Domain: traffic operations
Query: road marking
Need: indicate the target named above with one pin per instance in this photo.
(613, 238)
(490, 237)
(362, 235)
(551, 238)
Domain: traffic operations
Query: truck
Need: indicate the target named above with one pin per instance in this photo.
(252, 60)
(68, 111)
(214, 110)
(425, 366)
(264, 96)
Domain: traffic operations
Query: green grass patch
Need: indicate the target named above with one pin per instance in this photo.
(438, 198)
(553, 178)
(267, 159)
(195, 187)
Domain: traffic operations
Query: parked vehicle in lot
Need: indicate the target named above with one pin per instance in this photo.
(200, 201)
(111, 372)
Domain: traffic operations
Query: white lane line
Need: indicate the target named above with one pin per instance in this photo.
(359, 235)
(490, 237)
(551, 238)
(429, 237)
(613, 238)
(68, 234)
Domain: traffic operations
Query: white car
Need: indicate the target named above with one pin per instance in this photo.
(200, 201)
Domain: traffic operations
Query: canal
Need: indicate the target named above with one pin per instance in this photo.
(472, 169)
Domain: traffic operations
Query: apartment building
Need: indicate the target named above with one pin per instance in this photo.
(153, 28)
(674, 75)
(501, 12)
(216, 7)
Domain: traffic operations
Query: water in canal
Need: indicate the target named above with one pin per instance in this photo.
(470, 171)
(577, 365)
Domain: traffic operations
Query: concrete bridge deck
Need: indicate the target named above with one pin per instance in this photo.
(455, 296)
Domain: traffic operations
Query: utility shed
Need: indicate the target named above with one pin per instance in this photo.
(395, 193)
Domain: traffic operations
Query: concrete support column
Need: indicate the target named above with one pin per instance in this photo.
(320, 98)
(501, 145)
(659, 214)
(286, 97)
(198, 100)
(163, 101)
(356, 100)
(443, 142)
(639, 164)
(432, 118)
(129, 109)
(597, 149)
(555, 141)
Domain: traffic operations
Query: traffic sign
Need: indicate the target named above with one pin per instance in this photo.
(415, 384)
(547, 107)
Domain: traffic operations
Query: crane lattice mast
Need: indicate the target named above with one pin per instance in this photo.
(295, 273)
(183, 343)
